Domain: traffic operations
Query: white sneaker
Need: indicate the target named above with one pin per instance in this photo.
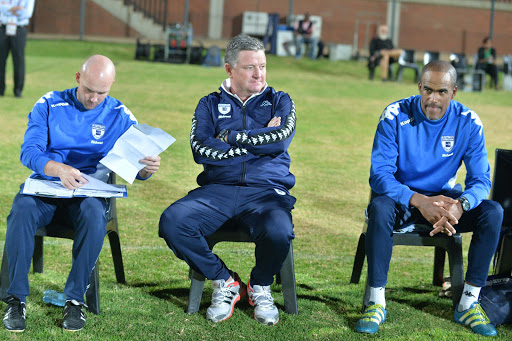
(224, 297)
(265, 311)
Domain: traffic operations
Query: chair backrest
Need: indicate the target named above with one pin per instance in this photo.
(502, 183)
(407, 57)
(430, 56)
(507, 64)
(459, 61)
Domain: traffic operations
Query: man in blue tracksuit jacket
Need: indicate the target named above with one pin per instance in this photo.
(68, 132)
(420, 143)
(241, 136)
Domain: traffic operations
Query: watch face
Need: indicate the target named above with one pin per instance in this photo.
(464, 203)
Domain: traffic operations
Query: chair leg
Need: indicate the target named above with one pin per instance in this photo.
(358, 260)
(439, 260)
(117, 256)
(456, 270)
(366, 297)
(38, 258)
(196, 291)
(4, 276)
(288, 282)
(93, 292)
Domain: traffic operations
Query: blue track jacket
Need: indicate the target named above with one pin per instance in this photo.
(61, 129)
(255, 155)
(414, 154)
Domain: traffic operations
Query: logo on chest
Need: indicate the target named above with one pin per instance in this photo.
(447, 142)
(224, 110)
(98, 130)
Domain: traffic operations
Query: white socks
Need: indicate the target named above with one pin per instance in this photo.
(469, 295)
(377, 296)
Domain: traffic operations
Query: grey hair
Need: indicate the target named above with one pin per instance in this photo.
(241, 42)
(441, 66)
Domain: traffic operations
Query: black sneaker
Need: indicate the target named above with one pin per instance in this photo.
(14, 318)
(74, 317)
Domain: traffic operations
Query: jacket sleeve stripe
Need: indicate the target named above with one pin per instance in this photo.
(273, 136)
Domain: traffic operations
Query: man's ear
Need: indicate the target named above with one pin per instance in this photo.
(228, 69)
(77, 77)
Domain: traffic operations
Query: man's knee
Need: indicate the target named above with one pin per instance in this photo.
(276, 226)
(492, 214)
(171, 222)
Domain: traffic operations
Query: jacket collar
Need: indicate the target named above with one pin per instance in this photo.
(226, 86)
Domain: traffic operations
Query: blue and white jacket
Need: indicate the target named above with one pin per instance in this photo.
(414, 154)
(255, 155)
(61, 129)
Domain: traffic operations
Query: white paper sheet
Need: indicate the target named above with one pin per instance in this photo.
(136, 143)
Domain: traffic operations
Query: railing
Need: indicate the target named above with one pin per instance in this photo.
(155, 9)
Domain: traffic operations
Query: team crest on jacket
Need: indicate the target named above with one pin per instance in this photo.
(224, 108)
(97, 131)
(447, 142)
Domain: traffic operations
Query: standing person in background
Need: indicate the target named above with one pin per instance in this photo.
(304, 35)
(382, 53)
(487, 61)
(14, 18)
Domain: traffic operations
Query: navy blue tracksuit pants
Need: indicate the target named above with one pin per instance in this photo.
(28, 213)
(264, 212)
(384, 215)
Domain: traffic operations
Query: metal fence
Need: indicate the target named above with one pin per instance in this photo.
(155, 9)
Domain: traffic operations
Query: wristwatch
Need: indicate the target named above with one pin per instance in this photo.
(464, 203)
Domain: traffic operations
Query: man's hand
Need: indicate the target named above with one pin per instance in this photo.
(454, 207)
(438, 211)
(152, 164)
(70, 177)
(274, 122)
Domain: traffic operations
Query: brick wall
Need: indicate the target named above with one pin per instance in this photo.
(455, 29)
(63, 17)
(422, 27)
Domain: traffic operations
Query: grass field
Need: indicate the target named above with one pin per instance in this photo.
(337, 111)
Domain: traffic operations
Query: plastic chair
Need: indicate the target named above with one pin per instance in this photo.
(406, 60)
(459, 62)
(430, 56)
(59, 230)
(418, 235)
(502, 192)
(229, 233)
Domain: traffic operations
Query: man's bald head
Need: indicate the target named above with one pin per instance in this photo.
(94, 80)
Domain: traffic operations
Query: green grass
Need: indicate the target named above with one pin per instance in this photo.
(337, 110)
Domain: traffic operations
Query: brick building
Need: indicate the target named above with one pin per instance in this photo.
(440, 25)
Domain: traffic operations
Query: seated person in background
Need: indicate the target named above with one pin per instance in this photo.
(241, 137)
(382, 53)
(487, 60)
(304, 35)
(68, 132)
(419, 146)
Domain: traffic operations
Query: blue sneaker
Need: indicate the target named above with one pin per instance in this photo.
(373, 316)
(476, 318)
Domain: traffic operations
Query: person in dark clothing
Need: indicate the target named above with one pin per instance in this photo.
(241, 136)
(487, 59)
(382, 53)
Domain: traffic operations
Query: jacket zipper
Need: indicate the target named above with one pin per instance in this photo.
(242, 177)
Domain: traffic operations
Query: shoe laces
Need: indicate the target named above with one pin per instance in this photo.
(223, 293)
(373, 312)
(75, 309)
(263, 298)
(15, 309)
(477, 310)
